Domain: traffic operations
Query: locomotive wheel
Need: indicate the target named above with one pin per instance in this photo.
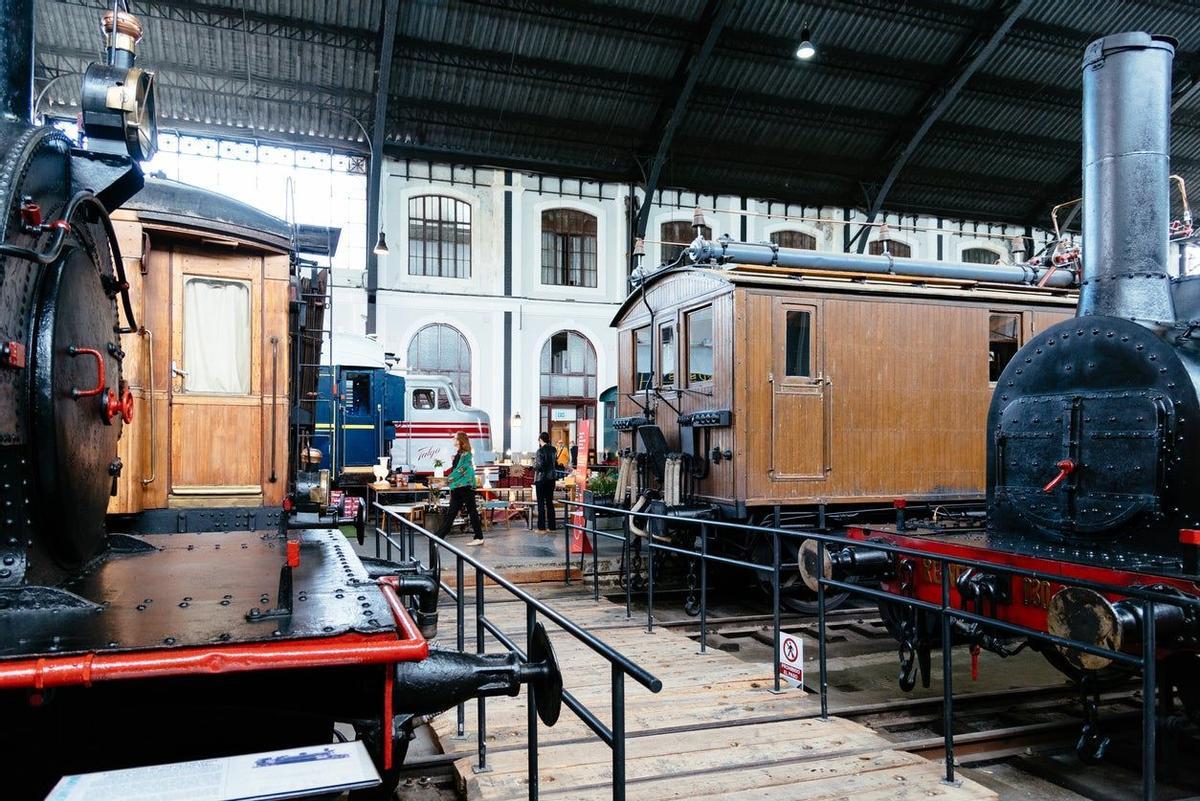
(793, 595)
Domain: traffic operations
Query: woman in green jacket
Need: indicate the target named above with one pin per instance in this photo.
(462, 489)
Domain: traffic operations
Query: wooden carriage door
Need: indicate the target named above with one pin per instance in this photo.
(216, 402)
(799, 407)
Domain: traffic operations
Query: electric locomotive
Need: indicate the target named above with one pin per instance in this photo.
(1093, 433)
(121, 650)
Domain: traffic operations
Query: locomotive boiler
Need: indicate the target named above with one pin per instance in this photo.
(1093, 434)
(164, 647)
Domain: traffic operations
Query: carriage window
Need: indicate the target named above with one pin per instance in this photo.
(443, 400)
(422, 399)
(798, 344)
(1004, 338)
(666, 355)
(641, 358)
(216, 336)
(700, 345)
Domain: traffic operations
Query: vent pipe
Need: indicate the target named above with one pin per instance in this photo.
(1126, 168)
(16, 59)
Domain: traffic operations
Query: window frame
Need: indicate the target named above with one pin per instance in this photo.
(664, 238)
(891, 243)
(772, 238)
(674, 329)
(251, 286)
(815, 376)
(452, 375)
(996, 257)
(992, 382)
(589, 270)
(649, 355)
(686, 371)
(441, 225)
(590, 379)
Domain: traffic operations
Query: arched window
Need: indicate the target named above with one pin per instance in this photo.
(673, 235)
(794, 239)
(440, 349)
(439, 237)
(894, 247)
(568, 248)
(980, 256)
(568, 367)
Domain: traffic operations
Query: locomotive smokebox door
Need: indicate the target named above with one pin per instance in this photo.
(79, 402)
(1085, 426)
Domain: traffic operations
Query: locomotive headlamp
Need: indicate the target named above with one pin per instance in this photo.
(117, 101)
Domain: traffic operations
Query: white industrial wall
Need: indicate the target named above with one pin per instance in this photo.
(476, 306)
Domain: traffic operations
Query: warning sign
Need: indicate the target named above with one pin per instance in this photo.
(791, 658)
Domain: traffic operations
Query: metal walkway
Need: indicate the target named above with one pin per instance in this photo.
(715, 731)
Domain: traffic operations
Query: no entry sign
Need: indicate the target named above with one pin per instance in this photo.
(791, 658)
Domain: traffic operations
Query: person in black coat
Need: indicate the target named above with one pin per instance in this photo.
(545, 467)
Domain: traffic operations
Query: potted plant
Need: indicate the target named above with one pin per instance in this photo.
(601, 488)
(439, 468)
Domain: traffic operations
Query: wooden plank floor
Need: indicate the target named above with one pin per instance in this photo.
(714, 732)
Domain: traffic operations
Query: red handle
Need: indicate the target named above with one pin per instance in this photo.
(115, 403)
(96, 390)
(1065, 468)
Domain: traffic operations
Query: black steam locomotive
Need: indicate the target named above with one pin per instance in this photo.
(1094, 429)
(148, 649)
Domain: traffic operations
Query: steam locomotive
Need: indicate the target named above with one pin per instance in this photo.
(1093, 464)
(143, 649)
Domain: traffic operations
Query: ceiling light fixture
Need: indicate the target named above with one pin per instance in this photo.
(806, 50)
(381, 248)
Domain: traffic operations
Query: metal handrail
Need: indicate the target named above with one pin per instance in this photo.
(1146, 661)
(620, 666)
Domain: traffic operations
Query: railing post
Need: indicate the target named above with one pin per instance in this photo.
(1149, 701)
(823, 665)
(626, 558)
(595, 557)
(650, 583)
(775, 626)
(531, 709)
(460, 602)
(481, 723)
(566, 541)
(387, 535)
(703, 587)
(947, 676)
(618, 733)
(383, 520)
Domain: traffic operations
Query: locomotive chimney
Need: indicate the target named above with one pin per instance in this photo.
(16, 59)
(1126, 167)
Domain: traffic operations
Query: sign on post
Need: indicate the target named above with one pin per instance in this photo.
(580, 543)
(791, 658)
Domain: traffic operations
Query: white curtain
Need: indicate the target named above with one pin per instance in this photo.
(216, 336)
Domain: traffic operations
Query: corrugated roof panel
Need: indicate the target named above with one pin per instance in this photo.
(587, 85)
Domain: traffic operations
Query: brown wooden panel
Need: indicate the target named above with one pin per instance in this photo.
(201, 457)
(274, 382)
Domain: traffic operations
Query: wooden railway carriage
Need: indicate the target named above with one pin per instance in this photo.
(799, 389)
(209, 281)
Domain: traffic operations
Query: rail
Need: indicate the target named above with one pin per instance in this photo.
(947, 613)
(620, 666)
